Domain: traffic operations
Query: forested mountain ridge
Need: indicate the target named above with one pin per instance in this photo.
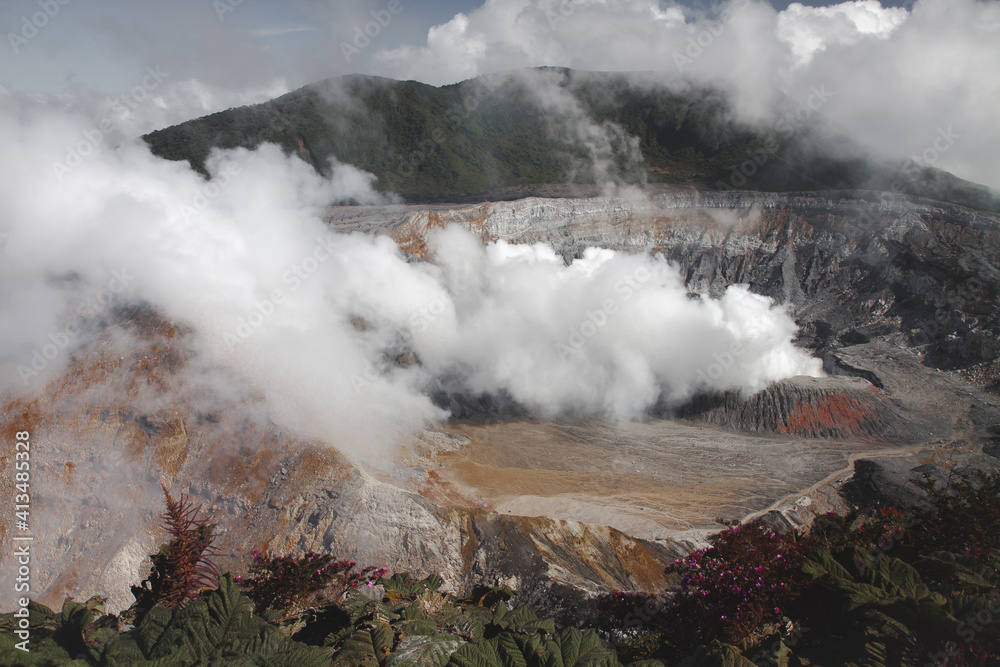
(546, 126)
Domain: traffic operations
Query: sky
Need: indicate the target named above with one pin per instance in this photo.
(105, 44)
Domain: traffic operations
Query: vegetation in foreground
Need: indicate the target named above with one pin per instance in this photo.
(899, 587)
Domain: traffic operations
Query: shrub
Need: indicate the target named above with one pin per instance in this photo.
(966, 513)
(183, 567)
(734, 586)
(630, 622)
(293, 583)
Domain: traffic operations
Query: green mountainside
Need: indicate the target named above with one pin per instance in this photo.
(545, 126)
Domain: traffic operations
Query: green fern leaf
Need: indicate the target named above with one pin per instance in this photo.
(583, 649)
(469, 623)
(480, 654)
(523, 620)
(368, 647)
(220, 628)
(424, 651)
(717, 654)
(511, 651)
(403, 585)
(151, 629)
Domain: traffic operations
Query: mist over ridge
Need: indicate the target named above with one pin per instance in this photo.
(501, 133)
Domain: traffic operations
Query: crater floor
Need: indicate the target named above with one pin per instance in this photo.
(650, 480)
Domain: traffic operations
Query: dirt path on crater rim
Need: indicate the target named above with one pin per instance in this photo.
(848, 470)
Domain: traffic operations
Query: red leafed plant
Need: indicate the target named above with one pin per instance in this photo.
(743, 580)
(183, 567)
(293, 584)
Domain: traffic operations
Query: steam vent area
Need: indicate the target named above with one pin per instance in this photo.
(500, 333)
(556, 392)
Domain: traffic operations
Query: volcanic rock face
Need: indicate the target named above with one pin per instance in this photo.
(837, 407)
(852, 265)
(887, 289)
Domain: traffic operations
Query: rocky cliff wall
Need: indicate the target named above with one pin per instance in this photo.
(852, 265)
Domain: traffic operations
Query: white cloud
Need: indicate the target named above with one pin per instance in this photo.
(160, 102)
(502, 35)
(608, 335)
(811, 29)
(898, 76)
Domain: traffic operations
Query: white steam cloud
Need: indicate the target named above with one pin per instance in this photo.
(571, 123)
(605, 335)
(315, 322)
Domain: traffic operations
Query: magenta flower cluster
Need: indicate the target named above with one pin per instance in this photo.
(746, 578)
(283, 582)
